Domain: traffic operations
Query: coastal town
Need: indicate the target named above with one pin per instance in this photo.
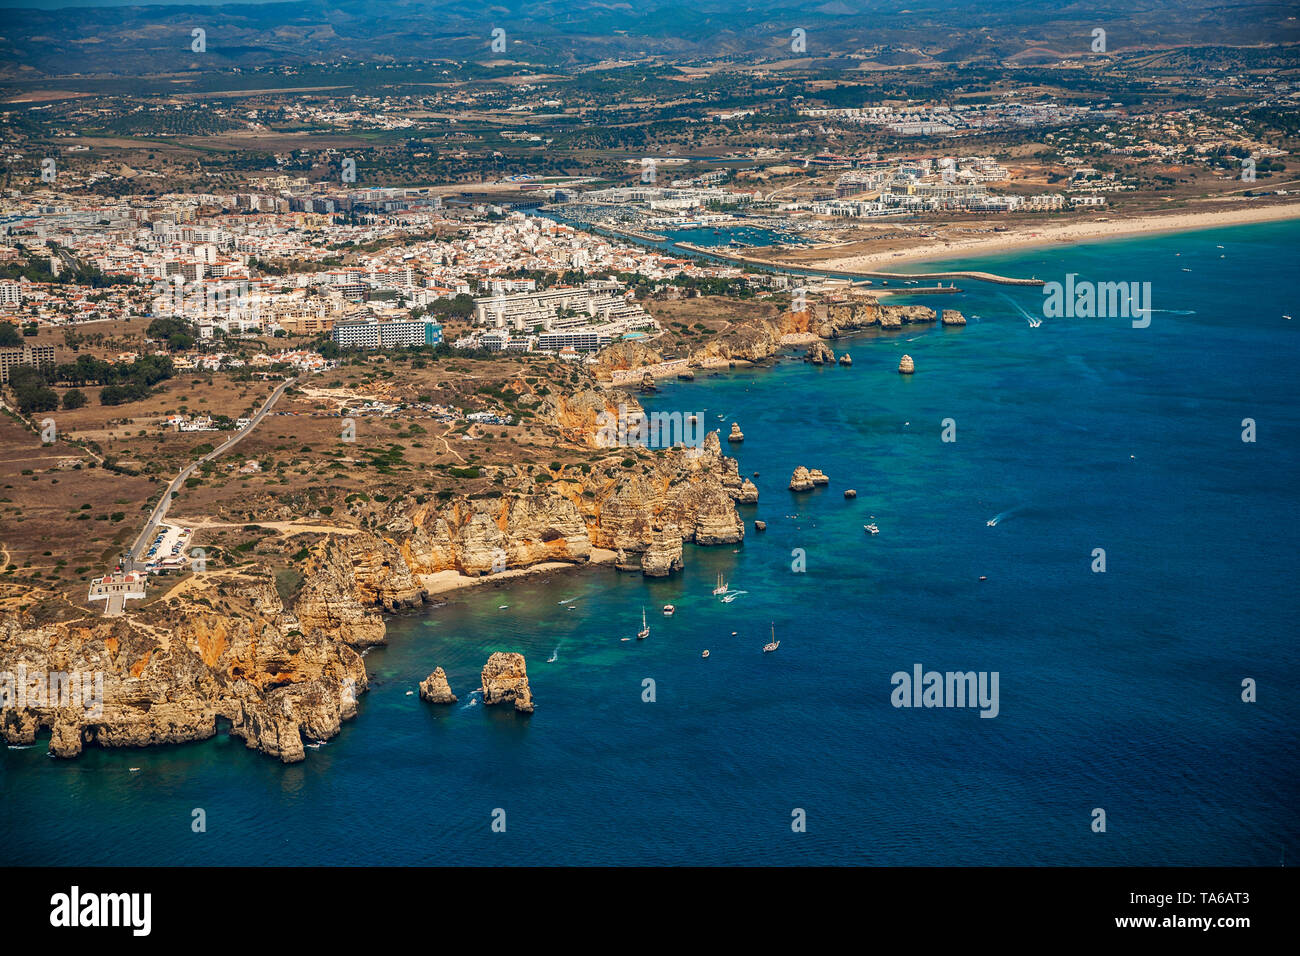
(314, 273)
(661, 425)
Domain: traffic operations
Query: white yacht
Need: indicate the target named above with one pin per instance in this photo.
(773, 644)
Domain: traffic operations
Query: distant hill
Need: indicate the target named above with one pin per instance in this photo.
(139, 40)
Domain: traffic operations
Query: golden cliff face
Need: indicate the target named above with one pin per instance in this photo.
(865, 312)
(168, 673)
(693, 489)
(226, 647)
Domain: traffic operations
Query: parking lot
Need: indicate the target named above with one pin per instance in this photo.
(168, 549)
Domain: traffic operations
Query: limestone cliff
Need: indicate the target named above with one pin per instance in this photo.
(664, 555)
(621, 356)
(167, 673)
(865, 311)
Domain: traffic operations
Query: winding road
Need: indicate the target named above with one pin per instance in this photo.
(131, 560)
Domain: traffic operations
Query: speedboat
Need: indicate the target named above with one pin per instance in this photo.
(705, 654)
(871, 528)
(992, 522)
(669, 610)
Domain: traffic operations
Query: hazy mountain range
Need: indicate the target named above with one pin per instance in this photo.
(134, 40)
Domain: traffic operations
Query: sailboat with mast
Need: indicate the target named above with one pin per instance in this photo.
(773, 644)
(722, 585)
(642, 634)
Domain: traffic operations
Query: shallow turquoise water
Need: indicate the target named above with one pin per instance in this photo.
(1118, 690)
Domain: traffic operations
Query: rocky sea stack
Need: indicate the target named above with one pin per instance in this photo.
(664, 556)
(953, 317)
(760, 525)
(846, 359)
(505, 679)
(736, 434)
(819, 354)
(805, 479)
(435, 688)
(906, 366)
(850, 493)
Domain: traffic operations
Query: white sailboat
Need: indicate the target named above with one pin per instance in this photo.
(774, 644)
(722, 585)
(642, 634)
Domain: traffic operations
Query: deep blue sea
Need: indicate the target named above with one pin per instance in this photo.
(1118, 690)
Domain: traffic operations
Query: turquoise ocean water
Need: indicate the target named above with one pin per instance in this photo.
(1119, 690)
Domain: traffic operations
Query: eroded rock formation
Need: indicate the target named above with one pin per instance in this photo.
(805, 479)
(505, 679)
(165, 674)
(748, 494)
(819, 354)
(435, 688)
(664, 555)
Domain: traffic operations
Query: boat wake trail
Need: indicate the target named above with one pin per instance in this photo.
(1001, 516)
(473, 699)
(1031, 319)
(554, 654)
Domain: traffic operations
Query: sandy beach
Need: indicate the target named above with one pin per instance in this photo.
(441, 582)
(1070, 232)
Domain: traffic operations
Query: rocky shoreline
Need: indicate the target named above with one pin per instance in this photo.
(758, 340)
(280, 670)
